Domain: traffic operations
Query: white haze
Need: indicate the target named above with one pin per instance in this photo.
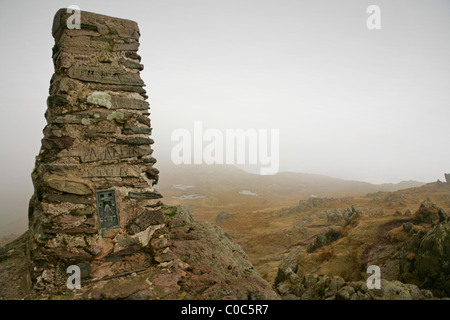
(352, 103)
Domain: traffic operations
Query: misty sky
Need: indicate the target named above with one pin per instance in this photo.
(352, 103)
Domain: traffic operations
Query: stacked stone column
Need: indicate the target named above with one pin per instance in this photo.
(94, 203)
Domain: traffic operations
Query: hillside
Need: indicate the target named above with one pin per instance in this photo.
(276, 240)
(270, 237)
(210, 189)
(410, 246)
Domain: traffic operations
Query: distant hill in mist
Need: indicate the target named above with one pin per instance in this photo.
(228, 175)
(207, 189)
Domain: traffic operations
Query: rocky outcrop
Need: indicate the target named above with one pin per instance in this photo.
(223, 216)
(206, 264)
(14, 273)
(432, 260)
(323, 239)
(425, 256)
(219, 268)
(390, 199)
(447, 177)
(413, 255)
(429, 213)
(291, 284)
(306, 204)
(334, 215)
(351, 214)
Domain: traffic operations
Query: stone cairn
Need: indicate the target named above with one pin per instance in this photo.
(94, 204)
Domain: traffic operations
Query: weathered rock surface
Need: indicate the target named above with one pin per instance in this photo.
(293, 286)
(334, 215)
(413, 255)
(220, 269)
(205, 264)
(323, 239)
(428, 213)
(425, 256)
(351, 214)
(14, 271)
(222, 217)
(307, 204)
(433, 258)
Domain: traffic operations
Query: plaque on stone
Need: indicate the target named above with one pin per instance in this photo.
(108, 215)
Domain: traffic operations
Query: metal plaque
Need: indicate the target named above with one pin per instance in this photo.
(108, 215)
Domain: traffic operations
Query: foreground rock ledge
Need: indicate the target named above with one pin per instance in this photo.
(207, 265)
(413, 255)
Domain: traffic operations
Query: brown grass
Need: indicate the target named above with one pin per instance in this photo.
(267, 237)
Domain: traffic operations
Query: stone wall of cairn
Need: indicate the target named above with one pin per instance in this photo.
(94, 204)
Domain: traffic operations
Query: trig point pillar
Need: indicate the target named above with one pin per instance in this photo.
(94, 204)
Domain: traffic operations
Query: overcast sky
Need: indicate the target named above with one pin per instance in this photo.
(352, 103)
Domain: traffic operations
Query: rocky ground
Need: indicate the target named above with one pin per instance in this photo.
(208, 265)
(412, 251)
(318, 249)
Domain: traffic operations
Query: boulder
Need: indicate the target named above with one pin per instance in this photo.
(432, 260)
(222, 217)
(351, 214)
(322, 287)
(428, 213)
(334, 215)
(323, 239)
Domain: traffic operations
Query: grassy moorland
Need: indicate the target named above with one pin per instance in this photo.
(290, 210)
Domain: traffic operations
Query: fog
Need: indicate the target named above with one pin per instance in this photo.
(349, 102)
